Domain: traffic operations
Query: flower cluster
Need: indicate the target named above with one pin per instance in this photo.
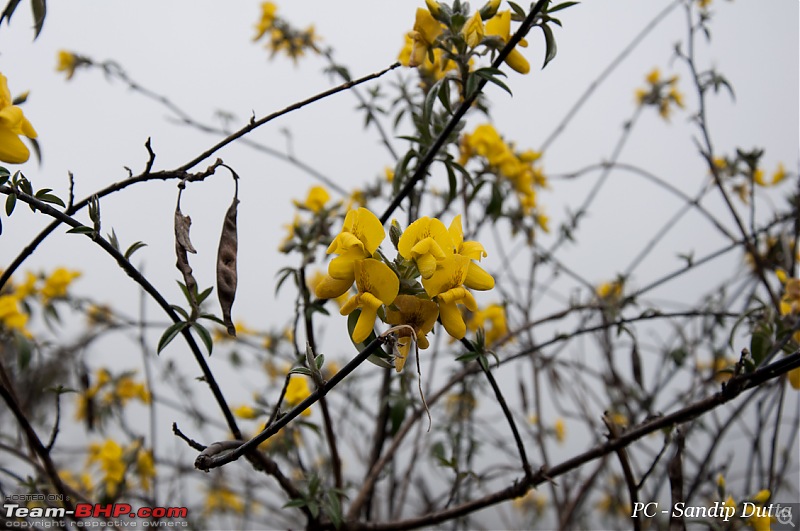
(13, 124)
(661, 93)
(14, 300)
(282, 36)
(515, 167)
(114, 461)
(430, 278)
(108, 392)
(444, 37)
(744, 171)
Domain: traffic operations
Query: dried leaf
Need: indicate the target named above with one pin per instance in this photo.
(182, 245)
(226, 265)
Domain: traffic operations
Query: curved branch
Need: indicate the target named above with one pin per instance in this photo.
(137, 277)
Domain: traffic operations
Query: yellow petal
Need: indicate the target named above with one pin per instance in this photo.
(427, 26)
(478, 279)
(450, 273)
(12, 150)
(375, 277)
(794, 378)
(331, 288)
(517, 62)
(452, 320)
(365, 324)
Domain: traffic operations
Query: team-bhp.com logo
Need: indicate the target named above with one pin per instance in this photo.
(150, 516)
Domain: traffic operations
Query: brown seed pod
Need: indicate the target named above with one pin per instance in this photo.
(226, 265)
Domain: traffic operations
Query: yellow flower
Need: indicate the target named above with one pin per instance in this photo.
(794, 378)
(477, 278)
(425, 32)
(790, 302)
(28, 287)
(145, 468)
(55, 286)
(127, 389)
(495, 316)
(67, 62)
(10, 315)
(560, 430)
(473, 30)
(389, 174)
(377, 284)
(433, 7)
(82, 484)
(500, 26)
(246, 412)
(317, 278)
(446, 285)
(418, 313)
(610, 291)
(12, 124)
(317, 197)
(109, 456)
(426, 241)
(268, 10)
(362, 234)
(779, 175)
(296, 392)
(223, 499)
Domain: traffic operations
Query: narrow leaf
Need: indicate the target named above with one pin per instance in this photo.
(205, 336)
(169, 334)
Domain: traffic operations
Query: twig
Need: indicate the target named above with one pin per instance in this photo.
(297, 410)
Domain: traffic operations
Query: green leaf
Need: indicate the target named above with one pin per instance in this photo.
(212, 317)
(11, 202)
(490, 74)
(204, 295)
(205, 336)
(113, 240)
(24, 351)
(81, 229)
(550, 45)
(133, 248)
(559, 7)
(296, 502)
(180, 310)
(50, 198)
(305, 371)
(169, 334)
(4, 173)
(319, 361)
(39, 8)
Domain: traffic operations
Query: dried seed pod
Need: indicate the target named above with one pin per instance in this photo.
(226, 265)
(182, 246)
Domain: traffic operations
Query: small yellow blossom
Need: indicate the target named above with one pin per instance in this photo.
(267, 20)
(418, 313)
(297, 391)
(446, 285)
(779, 175)
(222, 499)
(560, 430)
(493, 321)
(145, 468)
(473, 30)
(426, 30)
(11, 317)
(316, 199)
(362, 234)
(246, 412)
(377, 285)
(426, 241)
(500, 26)
(110, 457)
(388, 174)
(477, 278)
(56, 285)
(67, 62)
(13, 124)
